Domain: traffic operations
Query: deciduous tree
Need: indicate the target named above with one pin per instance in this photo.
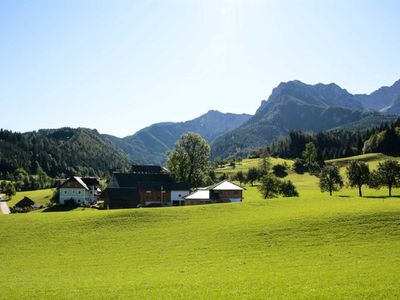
(387, 174)
(252, 175)
(190, 160)
(358, 174)
(330, 179)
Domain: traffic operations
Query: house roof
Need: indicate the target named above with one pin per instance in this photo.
(149, 181)
(85, 182)
(76, 179)
(204, 192)
(225, 185)
(90, 181)
(25, 202)
(148, 169)
(81, 182)
(199, 195)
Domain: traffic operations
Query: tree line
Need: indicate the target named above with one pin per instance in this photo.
(57, 153)
(358, 173)
(337, 143)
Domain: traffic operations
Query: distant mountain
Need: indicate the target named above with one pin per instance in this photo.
(60, 153)
(296, 105)
(151, 144)
(382, 99)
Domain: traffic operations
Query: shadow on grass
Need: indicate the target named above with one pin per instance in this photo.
(57, 208)
(344, 196)
(381, 197)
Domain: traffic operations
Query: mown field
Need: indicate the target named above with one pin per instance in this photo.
(311, 247)
(41, 197)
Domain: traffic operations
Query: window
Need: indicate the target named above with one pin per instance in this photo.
(79, 192)
(65, 192)
(148, 192)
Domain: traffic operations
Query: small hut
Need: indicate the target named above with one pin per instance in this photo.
(25, 203)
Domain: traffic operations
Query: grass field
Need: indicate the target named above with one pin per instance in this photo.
(39, 196)
(311, 247)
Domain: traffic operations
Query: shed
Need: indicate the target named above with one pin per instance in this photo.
(25, 202)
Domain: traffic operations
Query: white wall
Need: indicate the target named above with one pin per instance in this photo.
(179, 195)
(81, 196)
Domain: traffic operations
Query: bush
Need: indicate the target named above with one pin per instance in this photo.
(279, 170)
(271, 187)
(299, 166)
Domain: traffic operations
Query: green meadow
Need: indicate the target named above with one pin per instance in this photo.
(41, 197)
(311, 247)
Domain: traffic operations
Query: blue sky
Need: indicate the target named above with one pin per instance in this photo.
(119, 66)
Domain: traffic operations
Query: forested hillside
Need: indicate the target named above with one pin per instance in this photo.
(340, 143)
(59, 153)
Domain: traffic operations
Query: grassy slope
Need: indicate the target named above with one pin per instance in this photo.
(38, 196)
(314, 246)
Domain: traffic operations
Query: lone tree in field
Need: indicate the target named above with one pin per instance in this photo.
(330, 179)
(240, 177)
(269, 186)
(189, 161)
(387, 174)
(252, 175)
(358, 175)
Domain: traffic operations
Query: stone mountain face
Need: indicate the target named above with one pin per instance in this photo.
(296, 105)
(151, 144)
(382, 99)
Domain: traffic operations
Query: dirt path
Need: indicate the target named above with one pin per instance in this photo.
(3, 206)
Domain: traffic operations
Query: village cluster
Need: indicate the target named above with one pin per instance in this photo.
(145, 186)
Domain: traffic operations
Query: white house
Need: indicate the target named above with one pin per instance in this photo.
(80, 190)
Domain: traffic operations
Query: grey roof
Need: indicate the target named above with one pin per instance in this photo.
(148, 169)
(149, 181)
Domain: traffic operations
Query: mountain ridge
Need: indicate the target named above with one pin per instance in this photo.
(151, 144)
(295, 105)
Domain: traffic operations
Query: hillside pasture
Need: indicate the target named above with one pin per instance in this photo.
(40, 197)
(297, 248)
(310, 247)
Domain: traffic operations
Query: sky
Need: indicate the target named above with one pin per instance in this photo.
(119, 66)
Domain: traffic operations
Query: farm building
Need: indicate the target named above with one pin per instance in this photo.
(144, 186)
(222, 192)
(79, 190)
(25, 202)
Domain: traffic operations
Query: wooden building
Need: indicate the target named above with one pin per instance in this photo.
(145, 186)
(222, 192)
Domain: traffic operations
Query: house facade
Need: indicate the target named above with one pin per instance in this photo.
(222, 192)
(79, 190)
(145, 186)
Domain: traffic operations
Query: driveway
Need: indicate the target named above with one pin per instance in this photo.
(3, 206)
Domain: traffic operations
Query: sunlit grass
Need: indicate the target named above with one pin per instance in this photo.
(41, 197)
(311, 247)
